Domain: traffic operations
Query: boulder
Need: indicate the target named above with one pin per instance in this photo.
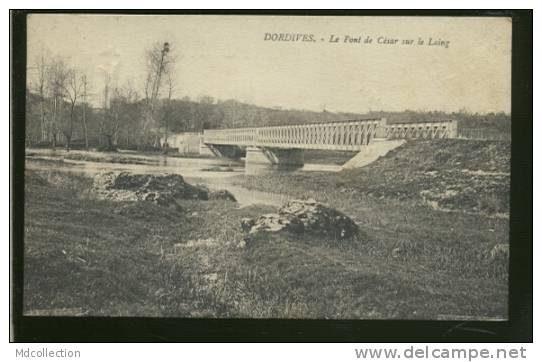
(162, 189)
(171, 184)
(276, 222)
(320, 219)
(303, 216)
(247, 224)
(221, 195)
(216, 194)
(162, 199)
(105, 188)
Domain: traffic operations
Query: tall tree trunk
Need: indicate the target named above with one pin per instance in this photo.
(116, 130)
(166, 143)
(70, 130)
(85, 131)
(53, 123)
(68, 141)
(42, 111)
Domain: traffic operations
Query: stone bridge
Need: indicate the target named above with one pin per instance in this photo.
(285, 144)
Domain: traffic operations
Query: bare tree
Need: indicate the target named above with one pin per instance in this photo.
(84, 83)
(108, 126)
(167, 111)
(160, 65)
(57, 78)
(125, 110)
(72, 89)
(119, 112)
(41, 65)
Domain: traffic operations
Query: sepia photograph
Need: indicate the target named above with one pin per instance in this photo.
(267, 166)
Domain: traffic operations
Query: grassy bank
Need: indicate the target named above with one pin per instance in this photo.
(97, 257)
(461, 175)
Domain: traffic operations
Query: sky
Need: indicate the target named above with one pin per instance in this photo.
(228, 57)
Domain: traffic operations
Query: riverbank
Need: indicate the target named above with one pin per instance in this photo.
(449, 175)
(122, 156)
(154, 157)
(85, 257)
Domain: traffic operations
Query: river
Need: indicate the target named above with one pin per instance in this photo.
(215, 173)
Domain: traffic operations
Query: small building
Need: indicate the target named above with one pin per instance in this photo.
(185, 143)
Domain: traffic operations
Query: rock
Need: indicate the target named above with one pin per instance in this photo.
(221, 195)
(320, 219)
(247, 224)
(172, 184)
(303, 216)
(162, 199)
(162, 190)
(216, 194)
(276, 222)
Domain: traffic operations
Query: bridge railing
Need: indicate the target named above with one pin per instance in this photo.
(441, 129)
(346, 136)
(232, 136)
(343, 135)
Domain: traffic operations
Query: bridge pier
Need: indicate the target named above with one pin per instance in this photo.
(284, 145)
(227, 151)
(274, 156)
(207, 150)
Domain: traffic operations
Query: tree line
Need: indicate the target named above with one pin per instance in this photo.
(59, 114)
(58, 111)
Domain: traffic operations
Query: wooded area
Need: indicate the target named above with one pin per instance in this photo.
(59, 113)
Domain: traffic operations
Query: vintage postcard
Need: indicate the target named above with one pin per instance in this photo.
(267, 166)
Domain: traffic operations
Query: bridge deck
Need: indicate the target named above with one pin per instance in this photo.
(343, 135)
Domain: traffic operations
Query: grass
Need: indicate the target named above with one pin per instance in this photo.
(462, 175)
(101, 257)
